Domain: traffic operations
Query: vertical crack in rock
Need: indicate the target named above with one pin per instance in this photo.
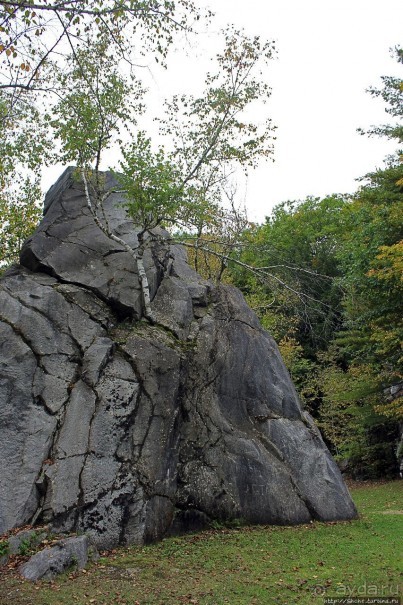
(128, 431)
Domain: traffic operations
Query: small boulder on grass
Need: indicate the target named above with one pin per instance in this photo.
(25, 540)
(21, 542)
(48, 563)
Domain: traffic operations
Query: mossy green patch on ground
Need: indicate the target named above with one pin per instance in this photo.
(244, 566)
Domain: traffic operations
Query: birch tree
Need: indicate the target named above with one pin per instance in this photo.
(178, 188)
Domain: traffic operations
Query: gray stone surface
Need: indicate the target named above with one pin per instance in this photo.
(50, 562)
(128, 431)
(26, 539)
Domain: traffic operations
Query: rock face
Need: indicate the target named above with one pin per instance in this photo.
(128, 431)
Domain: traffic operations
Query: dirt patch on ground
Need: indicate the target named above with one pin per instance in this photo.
(390, 512)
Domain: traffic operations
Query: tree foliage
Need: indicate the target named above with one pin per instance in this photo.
(77, 59)
(299, 242)
(94, 104)
(179, 187)
(342, 339)
(36, 33)
(19, 215)
(391, 93)
(373, 302)
(208, 136)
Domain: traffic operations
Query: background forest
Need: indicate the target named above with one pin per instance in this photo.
(324, 275)
(338, 321)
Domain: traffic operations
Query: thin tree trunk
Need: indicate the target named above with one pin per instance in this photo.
(136, 254)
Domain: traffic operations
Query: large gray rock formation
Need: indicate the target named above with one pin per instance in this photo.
(128, 431)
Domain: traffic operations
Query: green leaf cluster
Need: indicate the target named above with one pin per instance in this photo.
(152, 183)
(19, 215)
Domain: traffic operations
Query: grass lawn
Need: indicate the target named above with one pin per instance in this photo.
(246, 566)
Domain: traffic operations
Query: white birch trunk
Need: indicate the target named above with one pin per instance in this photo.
(137, 255)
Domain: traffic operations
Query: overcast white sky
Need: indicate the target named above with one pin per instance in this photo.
(329, 52)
